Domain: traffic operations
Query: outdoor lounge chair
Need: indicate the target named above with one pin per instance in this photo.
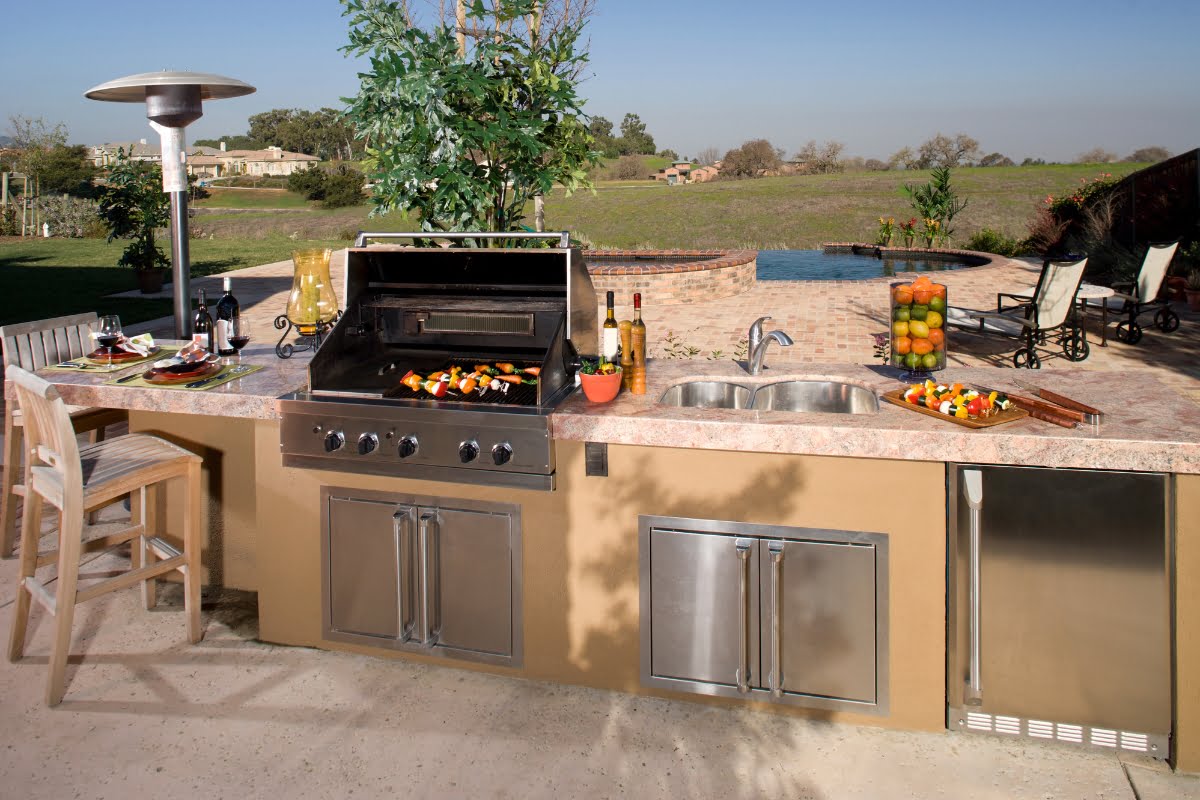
(1141, 296)
(1050, 314)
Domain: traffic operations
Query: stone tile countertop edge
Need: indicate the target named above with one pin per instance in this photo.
(1147, 427)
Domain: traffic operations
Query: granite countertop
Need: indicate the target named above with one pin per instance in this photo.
(252, 396)
(1147, 427)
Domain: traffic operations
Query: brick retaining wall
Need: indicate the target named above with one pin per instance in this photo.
(715, 274)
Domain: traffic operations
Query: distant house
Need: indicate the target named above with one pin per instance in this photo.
(704, 174)
(678, 172)
(210, 162)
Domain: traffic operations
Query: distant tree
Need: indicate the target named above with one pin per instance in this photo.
(1149, 155)
(821, 158)
(1033, 162)
(602, 132)
(904, 158)
(64, 170)
(751, 160)
(29, 133)
(708, 156)
(875, 165)
(343, 187)
(671, 154)
(628, 168)
(942, 151)
(634, 138)
(1097, 155)
(996, 160)
(308, 183)
(322, 133)
(238, 142)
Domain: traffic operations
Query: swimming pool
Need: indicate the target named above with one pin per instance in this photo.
(818, 265)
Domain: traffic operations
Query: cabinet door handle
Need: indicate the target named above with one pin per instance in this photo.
(973, 490)
(743, 672)
(427, 628)
(775, 550)
(402, 531)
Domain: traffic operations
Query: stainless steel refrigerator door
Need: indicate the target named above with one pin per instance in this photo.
(362, 586)
(704, 609)
(1074, 618)
(818, 619)
(468, 579)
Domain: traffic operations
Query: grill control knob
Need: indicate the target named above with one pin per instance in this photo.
(502, 454)
(367, 443)
(468, 451)
(334, 440)
(408, 446)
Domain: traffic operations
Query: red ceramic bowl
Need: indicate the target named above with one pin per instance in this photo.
(601, 388)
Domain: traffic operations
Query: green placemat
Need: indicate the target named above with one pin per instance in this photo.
(83, 365)
(230, 372)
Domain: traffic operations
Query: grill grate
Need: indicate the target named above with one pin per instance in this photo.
(519, 394)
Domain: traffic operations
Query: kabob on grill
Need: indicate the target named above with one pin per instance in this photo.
(483, 379)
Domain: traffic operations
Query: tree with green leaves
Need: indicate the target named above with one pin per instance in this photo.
(464, 136)
(634, 139)
(133, 206)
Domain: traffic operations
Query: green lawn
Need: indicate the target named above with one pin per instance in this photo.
(42, 278)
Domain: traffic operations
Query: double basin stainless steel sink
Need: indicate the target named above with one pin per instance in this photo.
(801, 395)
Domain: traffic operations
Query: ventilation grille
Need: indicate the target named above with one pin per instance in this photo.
(464, 322)
(978, 722)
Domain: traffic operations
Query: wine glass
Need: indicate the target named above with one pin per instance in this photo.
(239, 334)
(108, 333)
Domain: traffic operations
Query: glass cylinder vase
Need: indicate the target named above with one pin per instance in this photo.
(312, 303)
(917, 312)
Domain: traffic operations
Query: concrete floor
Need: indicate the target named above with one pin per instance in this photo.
(235, 718)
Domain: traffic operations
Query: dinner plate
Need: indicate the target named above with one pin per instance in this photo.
(165, 377)
(119, 357)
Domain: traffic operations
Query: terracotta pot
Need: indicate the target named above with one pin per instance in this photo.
(1176, 288)
(150, 281)
(601, 388)
(1193, 299)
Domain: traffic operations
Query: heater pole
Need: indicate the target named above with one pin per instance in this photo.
(181, 265)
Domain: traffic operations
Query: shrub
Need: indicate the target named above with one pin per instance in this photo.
(627, 168)
(344, 187)
(9, 224)
(990, 241)
(308, 183)
(936, 201)
(751, 160)
(70, 217)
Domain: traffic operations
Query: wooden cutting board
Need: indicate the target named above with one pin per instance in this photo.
(1011, 415)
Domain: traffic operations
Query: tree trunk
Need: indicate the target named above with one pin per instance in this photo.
(460, 21)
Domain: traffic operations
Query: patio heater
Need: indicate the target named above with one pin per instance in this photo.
(172, 103)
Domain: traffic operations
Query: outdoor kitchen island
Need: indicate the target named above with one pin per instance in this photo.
(576, 599)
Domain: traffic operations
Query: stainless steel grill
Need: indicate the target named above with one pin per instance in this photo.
(426, 308)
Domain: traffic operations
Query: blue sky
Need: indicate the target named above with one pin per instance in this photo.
(1046, 79)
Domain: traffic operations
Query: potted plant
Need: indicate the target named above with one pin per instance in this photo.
(134, 206)
(601, 380)
(1192, 290)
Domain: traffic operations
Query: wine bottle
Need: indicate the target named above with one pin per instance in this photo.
(202, 325)
(626, 329)
(228, 310)
(638, 346)
(608, 347)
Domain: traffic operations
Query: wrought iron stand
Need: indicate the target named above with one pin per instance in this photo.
(308, 338)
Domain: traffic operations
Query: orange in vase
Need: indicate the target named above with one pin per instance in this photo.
(903, 295)
(923, 295)
(937, 338)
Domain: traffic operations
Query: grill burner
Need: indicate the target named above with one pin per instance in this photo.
(427, 309)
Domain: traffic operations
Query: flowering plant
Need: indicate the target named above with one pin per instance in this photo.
(886, 225)
(933, 230)
(1070, 205)
(909, 231)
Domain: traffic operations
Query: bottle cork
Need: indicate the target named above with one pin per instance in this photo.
(626, 329)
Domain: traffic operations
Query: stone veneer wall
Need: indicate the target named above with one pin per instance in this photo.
(720, 273)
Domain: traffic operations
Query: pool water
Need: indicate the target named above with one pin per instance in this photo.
(817, 265)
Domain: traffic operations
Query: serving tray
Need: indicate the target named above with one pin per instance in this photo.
(1011, 415)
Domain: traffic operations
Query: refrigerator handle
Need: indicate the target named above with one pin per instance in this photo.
(973, 490)
(775, 550)
(743, 553)
(427, 628)
(402, 531)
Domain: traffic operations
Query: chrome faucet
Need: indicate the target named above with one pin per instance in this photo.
(759, 343)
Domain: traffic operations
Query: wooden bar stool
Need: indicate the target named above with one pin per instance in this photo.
(31, 346)
(76, 482)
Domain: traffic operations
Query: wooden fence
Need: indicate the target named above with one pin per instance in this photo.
(1160, 203)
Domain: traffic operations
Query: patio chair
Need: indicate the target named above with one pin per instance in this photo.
(31, 346)
(1141, 296)
(75, 482)
(1032, 323)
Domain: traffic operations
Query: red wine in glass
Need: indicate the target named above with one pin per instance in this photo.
(239, 334)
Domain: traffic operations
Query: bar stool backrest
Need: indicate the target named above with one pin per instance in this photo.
(1154, 270)
(51, 448)
(33, 345)
(1056, 290)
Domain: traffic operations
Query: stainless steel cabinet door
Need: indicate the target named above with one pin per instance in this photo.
(473, 600)
(818, 619)
(704, 607)
(364, 568)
